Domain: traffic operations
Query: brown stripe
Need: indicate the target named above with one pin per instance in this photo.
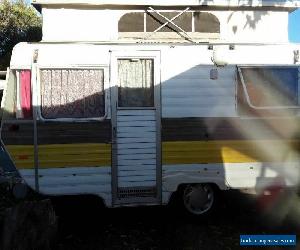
(173, 129)
(17, 134)
(58, 133)
(198, 129)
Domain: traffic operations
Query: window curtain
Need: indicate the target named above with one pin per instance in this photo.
(72, 93)
(25, 93)
(135, 79)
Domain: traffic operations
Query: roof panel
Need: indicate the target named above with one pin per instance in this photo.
(222, 3)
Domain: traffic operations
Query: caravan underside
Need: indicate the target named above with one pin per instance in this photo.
(131, 123)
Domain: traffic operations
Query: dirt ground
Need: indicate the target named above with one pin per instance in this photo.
(85, 224)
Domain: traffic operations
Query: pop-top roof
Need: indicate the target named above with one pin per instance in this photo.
(220, 3)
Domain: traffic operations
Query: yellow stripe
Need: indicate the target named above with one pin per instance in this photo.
(62, 155)
(227, 151)
(179, 152)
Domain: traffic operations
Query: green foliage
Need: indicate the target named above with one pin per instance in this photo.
(18, 23)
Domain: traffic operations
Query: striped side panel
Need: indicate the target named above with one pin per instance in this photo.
(229, 151)
(60, 144)
(57, 132)
(62, 155)
(228, 140)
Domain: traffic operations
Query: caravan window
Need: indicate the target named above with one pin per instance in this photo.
(154, 21)
(268, 89)
(132, 22)
(135, 83)
(22, 89)
(198, 25)
(206, 23)
(72, 93)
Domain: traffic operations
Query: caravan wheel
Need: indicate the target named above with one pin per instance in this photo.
(199, 199)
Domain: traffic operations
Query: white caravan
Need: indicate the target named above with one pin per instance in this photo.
(134, 101)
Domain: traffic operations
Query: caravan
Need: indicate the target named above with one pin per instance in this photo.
(134, 101)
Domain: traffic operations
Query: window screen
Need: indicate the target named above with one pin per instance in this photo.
(148, 21)
(132, 22)
(72, 93)
(135, 81)
(206, 22)
(154, 21)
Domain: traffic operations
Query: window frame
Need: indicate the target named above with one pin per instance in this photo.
(247, 97)
(106, 90)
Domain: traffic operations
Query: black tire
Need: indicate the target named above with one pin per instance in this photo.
(199, 200)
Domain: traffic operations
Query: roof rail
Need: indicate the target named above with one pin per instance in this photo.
(224, 3)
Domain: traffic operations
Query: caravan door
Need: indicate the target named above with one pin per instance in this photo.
(136, 170)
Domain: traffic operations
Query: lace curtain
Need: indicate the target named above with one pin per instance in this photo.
(72, 93)
(135, 81)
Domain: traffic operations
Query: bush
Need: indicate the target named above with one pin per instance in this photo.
(19, 22)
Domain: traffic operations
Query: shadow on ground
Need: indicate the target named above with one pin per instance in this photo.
(86, 224)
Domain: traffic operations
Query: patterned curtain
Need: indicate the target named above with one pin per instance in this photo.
(135, 81)
(72, 93)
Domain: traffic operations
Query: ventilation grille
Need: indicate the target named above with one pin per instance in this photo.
(132, 192)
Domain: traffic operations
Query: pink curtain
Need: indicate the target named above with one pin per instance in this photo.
(25, 91)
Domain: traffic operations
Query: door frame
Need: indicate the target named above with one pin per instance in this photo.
(135, 54)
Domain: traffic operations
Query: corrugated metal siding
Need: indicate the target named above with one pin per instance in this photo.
(136, 139)
(193, 94)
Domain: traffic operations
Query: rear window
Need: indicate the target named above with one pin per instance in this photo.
(268, 89)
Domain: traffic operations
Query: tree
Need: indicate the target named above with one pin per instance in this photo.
(19, 22)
